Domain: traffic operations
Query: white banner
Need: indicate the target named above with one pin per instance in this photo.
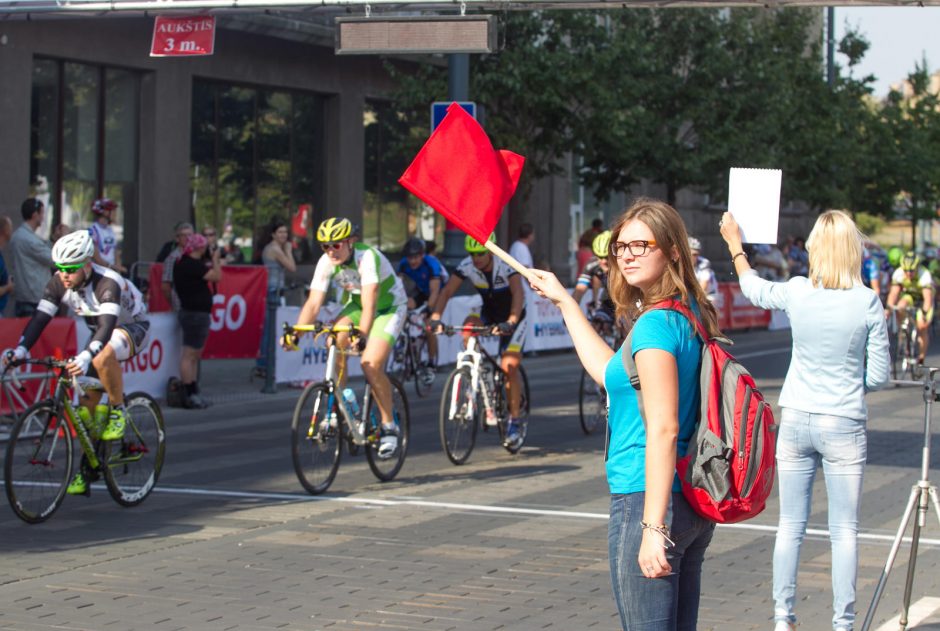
(151, 368)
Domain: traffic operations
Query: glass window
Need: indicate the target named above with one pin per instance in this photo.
(390, 214)
(44, 146)
(257, 155)
(83, 141)
(79, 144)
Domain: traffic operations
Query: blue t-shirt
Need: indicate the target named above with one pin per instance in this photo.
(429, 268)
(626, 460)
(4, 279)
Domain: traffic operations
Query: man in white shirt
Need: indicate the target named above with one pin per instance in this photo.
(519, 249)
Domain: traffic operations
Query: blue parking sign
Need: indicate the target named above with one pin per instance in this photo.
(439, 110)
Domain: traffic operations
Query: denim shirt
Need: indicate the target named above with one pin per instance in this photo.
(840, 343)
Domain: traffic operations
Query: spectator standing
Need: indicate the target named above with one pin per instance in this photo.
(102, 234)
(192, 273)
(840, 352)
(656, 541)
(6, 281)
(798, 258)
(60, 231)
(32, 260)
(769, 263)
(585, 241)
(521, 247)
(184, 230)
(278, 259)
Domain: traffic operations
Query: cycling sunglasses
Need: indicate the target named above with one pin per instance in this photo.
(69, 269)
(326, 247)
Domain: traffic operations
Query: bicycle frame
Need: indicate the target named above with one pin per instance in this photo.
(471, 358)
(331, 380)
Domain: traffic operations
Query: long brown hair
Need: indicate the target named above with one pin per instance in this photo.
(679, 276)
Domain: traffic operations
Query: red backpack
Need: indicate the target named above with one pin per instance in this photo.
(727, 472)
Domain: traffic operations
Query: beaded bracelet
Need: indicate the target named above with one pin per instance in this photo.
(741, 253)
(663, 532)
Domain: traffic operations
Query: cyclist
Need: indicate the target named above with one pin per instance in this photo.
(912, 286)
(703, 270)
(374, 302)
(103, 235)
(874, 267)
(112, 307)
(425, 274)
(503, 295)
(594, 276)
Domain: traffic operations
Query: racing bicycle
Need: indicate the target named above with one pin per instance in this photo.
(39, 454)
(906, 364)
(322, 422)
(410, 357)
(475, 396)
(592, 396)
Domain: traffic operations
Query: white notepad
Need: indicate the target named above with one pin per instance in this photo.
(754, 200)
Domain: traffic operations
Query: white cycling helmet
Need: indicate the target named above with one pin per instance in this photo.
(695, 244)
(74, 248)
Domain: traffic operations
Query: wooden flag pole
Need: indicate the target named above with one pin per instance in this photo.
(513, 263)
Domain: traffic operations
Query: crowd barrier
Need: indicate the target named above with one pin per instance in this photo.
(238, 316)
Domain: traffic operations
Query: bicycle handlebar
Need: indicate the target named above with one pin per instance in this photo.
(48, 362)
(477, 330)
(319, 327)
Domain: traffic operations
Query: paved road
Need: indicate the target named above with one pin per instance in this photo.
(230, 541)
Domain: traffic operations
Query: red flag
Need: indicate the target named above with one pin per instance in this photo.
(460, 175)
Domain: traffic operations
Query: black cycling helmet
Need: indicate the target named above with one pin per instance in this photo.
(413, 246)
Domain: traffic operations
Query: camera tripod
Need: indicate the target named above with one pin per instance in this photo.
(920, 493)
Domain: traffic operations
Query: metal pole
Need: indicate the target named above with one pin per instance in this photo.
(270, 364)
(831, 46)
(458, 89)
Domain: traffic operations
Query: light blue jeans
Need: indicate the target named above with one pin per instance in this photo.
(804, 440)
(669, 603)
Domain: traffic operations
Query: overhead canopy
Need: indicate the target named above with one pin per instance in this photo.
(84, 7)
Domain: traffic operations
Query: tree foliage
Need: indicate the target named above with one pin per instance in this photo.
(678, 96)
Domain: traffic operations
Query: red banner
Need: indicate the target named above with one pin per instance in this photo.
(237, 310)
(183, 37)
(741, 313)
(57, 340)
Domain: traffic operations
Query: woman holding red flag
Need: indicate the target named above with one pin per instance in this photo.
(656, 541)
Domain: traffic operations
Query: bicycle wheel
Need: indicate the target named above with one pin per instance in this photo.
(423, 374)
(397, 366)
(38, 463)
(592, 403)
(133, 464)
(458, 417)
(386, 469)
(315, 438)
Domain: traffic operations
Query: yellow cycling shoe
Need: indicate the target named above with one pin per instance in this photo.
(115, 428)
(78, 486)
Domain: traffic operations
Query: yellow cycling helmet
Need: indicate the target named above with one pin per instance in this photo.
(334, 229)
(601, 245)
(473, 246)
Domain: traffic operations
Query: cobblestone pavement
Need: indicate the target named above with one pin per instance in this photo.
(230, 541)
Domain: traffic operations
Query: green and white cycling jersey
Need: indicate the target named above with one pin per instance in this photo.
(921, 280)
(366, 266)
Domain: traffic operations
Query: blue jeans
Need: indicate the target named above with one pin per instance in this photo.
(669, 603)
(840, 443)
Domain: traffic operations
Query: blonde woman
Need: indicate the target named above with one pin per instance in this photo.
(840, 352)
(656, 542)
